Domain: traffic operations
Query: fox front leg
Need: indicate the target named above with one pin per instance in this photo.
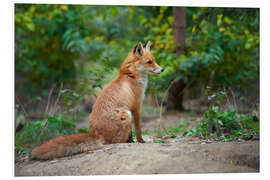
(136, 115)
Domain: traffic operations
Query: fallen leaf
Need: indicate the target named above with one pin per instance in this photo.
(193, 139)
(53, 161)
(158, 120)
(89, 152)
(165, 137)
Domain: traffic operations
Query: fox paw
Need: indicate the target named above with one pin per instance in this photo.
(141, 141)
(130, 140)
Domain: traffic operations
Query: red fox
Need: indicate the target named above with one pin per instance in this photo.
(117, 104)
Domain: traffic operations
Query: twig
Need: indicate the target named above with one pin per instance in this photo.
(45, 119)
(58, 97)
(163, 99)
(227, 98)
(234, 101)
(187, 86)
(26, 114)
(46, 110)
(49, 100)
(235, 106)
(156, 101)
(161, 125)
(160, 119)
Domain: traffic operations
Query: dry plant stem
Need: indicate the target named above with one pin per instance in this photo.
(235, 107)
(187, 86)
(160, 120)
(44, 123)
(234, 101)
(49, 100)
(156, 100)
(160, 109)
(227, 98)
(26, 114)
(163, 99)
(159, 123)
(51, 111)
(57, 99)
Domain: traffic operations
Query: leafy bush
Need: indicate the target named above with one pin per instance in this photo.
(35, 133)
(222, 124)
(220, 48)
(225, 125)
(57, 43)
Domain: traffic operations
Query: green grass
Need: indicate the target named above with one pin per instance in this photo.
(35, 133)
(172, 130)
(147, 132)
(158, 134)
(225, 126)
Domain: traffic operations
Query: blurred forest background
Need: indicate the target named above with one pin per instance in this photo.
(65, 54)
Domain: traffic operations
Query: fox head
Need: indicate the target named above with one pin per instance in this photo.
(145, 61)
(140, 60)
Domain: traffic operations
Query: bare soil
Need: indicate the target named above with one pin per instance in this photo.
(174, 156)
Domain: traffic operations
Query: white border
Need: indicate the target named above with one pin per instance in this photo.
(209, 3)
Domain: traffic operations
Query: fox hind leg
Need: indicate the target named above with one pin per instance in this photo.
(130, 140)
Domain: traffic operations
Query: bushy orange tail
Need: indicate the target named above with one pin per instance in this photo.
(65, 145)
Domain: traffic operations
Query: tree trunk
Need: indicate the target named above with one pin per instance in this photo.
(179, 16)
(175, 94)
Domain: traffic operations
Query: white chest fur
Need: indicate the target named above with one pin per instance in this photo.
(143, 82)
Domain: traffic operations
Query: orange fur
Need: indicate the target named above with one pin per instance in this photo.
(110, 120)
(65, 145)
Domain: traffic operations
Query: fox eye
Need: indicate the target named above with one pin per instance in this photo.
(149, 62)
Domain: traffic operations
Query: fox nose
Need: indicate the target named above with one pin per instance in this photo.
(162, 69)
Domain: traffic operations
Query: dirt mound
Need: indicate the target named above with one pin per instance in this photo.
(172, 157)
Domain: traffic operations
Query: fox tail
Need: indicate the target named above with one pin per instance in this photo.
(65, 145)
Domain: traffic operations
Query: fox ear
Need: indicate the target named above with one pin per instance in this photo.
(147, 45)
(138, 50)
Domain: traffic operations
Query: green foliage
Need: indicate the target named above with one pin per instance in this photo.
(58, 43)
(180, 128)
(225, 126)
(225, 46)
(35, 133)
(171, 131)
(220, 124)
(220, 48)
(159, 134)
(158, 140)
(44, 51)
(146, 132)
(83, 131)
(54, 42)
(133, 134)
